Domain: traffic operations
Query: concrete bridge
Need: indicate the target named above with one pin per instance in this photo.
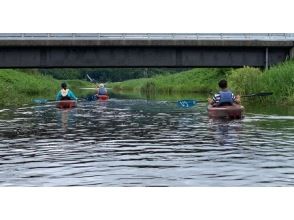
(143, 50)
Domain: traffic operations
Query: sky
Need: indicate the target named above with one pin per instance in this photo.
(146, 16)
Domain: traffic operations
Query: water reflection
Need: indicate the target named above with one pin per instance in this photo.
(66, 118)
(137, 142)
(225, 131)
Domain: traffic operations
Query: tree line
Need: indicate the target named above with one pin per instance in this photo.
(107, 74)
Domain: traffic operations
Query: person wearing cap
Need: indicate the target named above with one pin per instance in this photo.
(101, 90)
(65, 93)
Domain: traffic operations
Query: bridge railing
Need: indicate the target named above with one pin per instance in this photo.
(147, 36)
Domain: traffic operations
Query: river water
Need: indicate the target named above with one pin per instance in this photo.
(137, 142)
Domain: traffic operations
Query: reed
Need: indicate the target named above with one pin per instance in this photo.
(278, 79)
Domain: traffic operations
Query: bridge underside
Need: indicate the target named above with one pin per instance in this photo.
(140, 56)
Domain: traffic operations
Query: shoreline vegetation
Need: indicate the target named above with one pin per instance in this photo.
(18, 87)
(279, 79)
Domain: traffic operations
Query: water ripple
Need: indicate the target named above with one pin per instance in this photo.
(142, 143)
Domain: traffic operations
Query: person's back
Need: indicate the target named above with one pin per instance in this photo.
(101, 90)
(65, 94)
(224, 96)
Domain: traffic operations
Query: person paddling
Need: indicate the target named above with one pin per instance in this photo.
(101, 90)
(224, 96)
(65, 94)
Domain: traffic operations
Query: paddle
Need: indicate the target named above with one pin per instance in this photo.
(258, 94)
(191, 103)
(44, 101)
(41, 100)
(188, 103)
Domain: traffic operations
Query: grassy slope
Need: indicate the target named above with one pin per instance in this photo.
(18, 87)
(195, 80)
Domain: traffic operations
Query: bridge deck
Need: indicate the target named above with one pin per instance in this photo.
(157, 43)
(143, 50)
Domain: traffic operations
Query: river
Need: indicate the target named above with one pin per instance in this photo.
(139, 142)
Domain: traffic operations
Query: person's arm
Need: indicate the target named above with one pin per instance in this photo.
(237, 99)
(213, 100)
(71, 95)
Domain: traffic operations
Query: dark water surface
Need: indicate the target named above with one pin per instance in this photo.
(143, 143)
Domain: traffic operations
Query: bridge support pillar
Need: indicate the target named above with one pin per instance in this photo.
(266, 58)
(291, 53)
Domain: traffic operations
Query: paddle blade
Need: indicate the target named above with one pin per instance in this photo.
(91, 98)
(186, 103)
(40, 101)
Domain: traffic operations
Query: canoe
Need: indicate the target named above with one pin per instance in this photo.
(66, 104)
(229, 112)
(103, 97)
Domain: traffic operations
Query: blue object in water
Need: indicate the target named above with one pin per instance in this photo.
(186, 103)
(91, 98)
(40, 101)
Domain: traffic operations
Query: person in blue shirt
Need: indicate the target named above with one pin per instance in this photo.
(65, 94)
(101, 90)
(224, 96)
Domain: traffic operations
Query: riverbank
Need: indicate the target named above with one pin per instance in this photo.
(200, 80)
(278, 79)
(19, 87)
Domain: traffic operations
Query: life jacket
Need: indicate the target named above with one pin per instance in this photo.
(64, 94)
(102, 91)
(225, 98)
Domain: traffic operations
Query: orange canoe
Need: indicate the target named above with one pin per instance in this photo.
(230, 112)
(66, 104)
(103, 97)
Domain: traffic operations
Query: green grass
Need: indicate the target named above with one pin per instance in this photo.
(195, 80)
(278, 79)
(18, 87)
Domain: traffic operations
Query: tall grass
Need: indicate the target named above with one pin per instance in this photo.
(245, 80)
(278, 79)
(195, 80)
(18, 87)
